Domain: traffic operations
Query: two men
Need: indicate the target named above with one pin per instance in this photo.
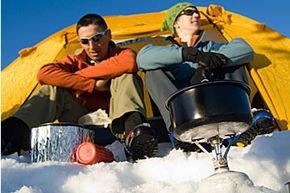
(101, 76)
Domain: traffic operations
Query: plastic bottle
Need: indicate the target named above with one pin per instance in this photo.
(89, 153)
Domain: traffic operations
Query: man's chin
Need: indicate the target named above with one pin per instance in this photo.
(96, 58)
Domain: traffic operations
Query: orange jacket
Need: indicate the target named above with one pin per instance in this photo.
(75, 73)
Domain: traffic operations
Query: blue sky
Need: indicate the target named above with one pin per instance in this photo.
(24, 23)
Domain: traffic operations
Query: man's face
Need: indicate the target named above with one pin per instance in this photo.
(188, 20)
(95, 41)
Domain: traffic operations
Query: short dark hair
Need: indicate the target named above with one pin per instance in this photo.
(92, 18)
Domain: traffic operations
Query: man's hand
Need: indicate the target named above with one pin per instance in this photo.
(102, 85)
(207, 60)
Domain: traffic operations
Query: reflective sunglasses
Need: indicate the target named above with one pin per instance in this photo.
(189, 12)
(96, 37)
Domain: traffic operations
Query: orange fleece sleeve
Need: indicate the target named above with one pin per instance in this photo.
(122, 61)
(63, 74)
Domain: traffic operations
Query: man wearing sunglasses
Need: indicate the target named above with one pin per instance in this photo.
(189, 59)
(101, 76)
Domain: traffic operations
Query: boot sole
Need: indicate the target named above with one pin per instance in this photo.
(144, 146)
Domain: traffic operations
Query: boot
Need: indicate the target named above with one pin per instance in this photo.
(15, 136)
(142, 142)
(263, 123)
(138, 138)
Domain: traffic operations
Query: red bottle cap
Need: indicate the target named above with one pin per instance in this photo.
(86, 153)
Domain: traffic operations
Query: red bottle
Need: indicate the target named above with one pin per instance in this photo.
(89, 153)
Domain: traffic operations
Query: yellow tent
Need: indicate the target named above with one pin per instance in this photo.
(268, 74)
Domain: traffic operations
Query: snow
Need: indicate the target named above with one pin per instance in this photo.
(262, 167)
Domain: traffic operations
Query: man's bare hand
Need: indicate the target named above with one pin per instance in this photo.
(102, 85)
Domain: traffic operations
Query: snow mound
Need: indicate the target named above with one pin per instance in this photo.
(262, 167)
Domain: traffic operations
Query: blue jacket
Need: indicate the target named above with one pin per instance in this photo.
(153, 57)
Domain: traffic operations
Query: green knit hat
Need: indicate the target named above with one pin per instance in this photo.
(172, 14)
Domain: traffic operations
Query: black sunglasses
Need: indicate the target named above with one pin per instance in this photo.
(96, 37)
(189, 12)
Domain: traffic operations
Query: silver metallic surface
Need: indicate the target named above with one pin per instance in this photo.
(56, 142)
(219, 160)
(216, 182)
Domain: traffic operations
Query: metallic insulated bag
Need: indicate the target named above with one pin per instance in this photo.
(57, 142)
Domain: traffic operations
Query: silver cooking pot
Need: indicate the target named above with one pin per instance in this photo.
(204, 110)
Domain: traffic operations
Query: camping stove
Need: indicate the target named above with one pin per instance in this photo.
(222, 172)
(219, 159)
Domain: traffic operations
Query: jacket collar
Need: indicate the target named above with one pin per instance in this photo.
(195, 40)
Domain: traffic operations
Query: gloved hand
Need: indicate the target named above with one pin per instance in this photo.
(198, 76)
(208, 60)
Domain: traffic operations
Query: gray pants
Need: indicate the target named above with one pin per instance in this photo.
(161, 84)
(52, 103)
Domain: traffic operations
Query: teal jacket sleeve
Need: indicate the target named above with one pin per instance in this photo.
(237, 50)
(153, 57)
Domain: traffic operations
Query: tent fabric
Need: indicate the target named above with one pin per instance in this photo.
(269, 72)
(270, 69)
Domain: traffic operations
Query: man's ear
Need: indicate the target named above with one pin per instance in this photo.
(109, 34)
(176, 27)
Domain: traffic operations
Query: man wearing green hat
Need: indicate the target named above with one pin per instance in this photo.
(189, 59)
